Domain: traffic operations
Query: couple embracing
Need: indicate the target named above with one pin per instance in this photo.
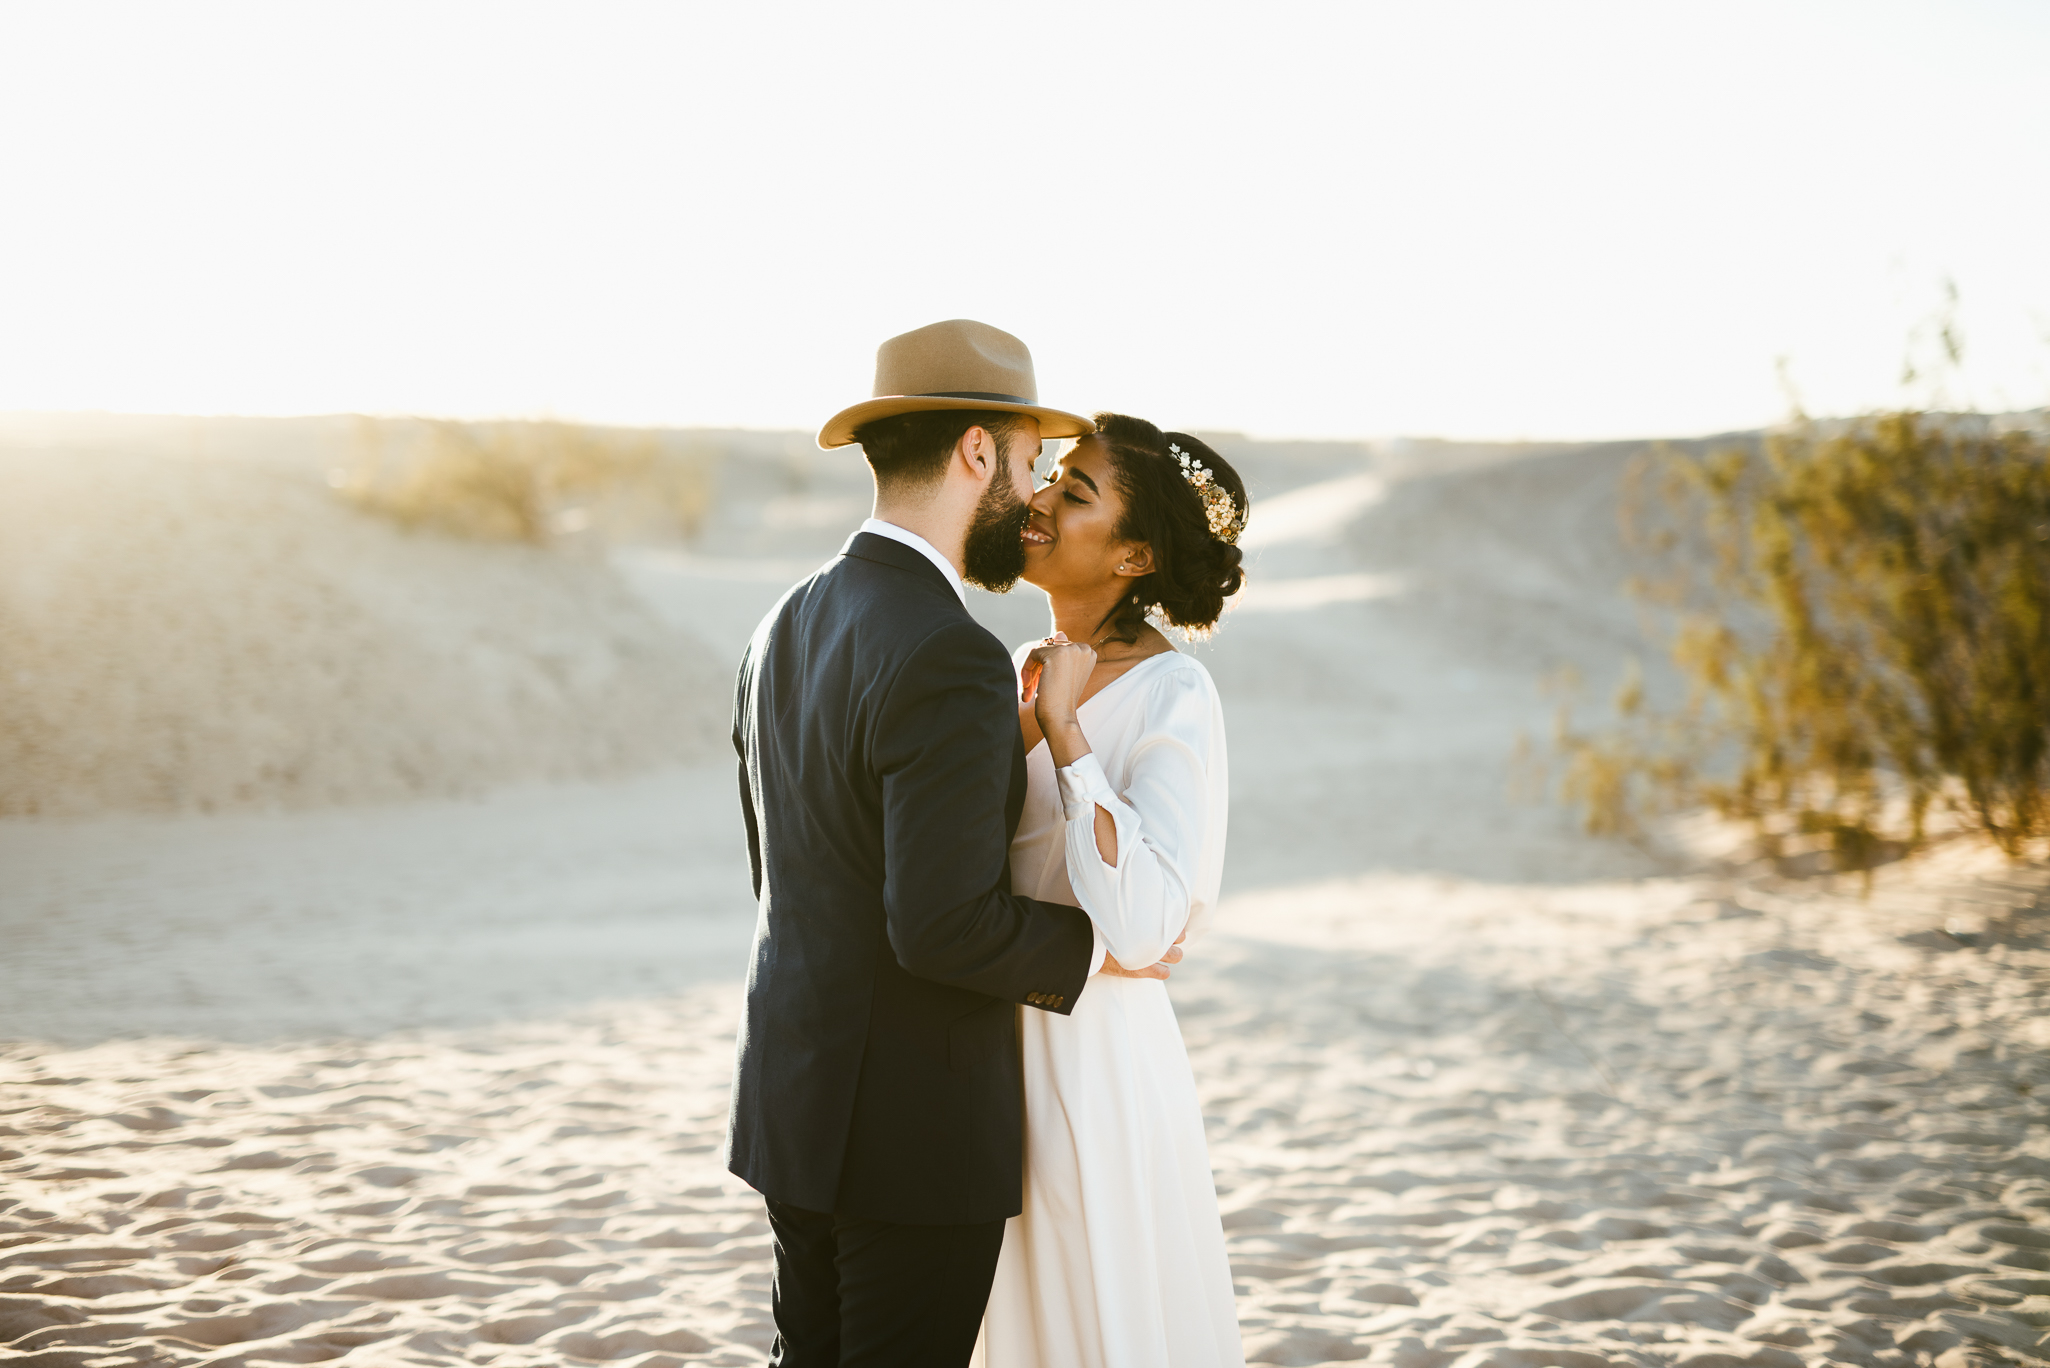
(960, 1084)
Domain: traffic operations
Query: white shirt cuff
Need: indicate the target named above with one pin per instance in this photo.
(1083, 786)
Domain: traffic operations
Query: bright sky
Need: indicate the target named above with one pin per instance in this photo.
(1290, 218)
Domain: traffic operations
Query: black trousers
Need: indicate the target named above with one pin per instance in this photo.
(852, 1293)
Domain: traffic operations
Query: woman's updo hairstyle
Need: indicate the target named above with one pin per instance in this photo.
(1194, 570)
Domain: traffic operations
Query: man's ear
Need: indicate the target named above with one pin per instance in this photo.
(977, 450)
(1135, 559)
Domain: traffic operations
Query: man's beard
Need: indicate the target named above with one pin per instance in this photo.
(995, 551)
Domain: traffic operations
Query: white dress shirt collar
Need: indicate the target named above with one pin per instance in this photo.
(922, 547)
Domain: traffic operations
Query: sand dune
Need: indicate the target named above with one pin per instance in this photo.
(440, 1082)
(189, 634)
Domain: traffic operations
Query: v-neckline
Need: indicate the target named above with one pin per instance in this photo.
(1141, 665)
(1136, 669)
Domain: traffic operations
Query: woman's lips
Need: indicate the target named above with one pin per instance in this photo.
(1034, 537)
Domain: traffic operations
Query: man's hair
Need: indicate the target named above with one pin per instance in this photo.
(908, 452)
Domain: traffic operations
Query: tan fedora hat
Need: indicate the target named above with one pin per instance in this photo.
(959, 364)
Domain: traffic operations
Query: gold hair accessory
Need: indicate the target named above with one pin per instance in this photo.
(1226, 519)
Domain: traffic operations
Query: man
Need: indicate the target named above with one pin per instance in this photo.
(877, 1095)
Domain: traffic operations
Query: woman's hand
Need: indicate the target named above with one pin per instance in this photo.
(1054, 675)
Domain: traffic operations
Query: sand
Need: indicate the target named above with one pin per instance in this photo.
(1452, 1123)
(442, 1081)
(1667, 1123)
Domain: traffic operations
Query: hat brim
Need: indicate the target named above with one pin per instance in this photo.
(839, 429)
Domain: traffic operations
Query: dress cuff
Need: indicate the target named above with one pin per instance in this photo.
(1083, 786)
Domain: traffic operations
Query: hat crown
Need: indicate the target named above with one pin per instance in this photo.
(960, 358)
(948, 367)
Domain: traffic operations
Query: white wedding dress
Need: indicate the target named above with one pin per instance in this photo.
(1118, 1258)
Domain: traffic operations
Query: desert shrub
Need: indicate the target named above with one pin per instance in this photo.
(530, 482)
(1862, 616)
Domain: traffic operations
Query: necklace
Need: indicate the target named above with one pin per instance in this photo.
(1131, 649)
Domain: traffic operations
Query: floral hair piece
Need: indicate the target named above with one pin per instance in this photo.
(1226, 519)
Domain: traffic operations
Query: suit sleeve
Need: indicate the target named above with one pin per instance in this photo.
(942, 748)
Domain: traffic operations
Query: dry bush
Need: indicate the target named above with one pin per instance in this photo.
(529, 482)
(1863, 617)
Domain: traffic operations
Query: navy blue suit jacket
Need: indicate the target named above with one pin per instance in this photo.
(881, 778)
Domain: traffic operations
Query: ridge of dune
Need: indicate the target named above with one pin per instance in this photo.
(181, 634)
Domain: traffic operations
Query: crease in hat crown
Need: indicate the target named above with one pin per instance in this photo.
(956, 364)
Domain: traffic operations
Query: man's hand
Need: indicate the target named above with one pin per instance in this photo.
(1151, 971)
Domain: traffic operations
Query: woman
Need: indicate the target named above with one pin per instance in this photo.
(1118, 1259)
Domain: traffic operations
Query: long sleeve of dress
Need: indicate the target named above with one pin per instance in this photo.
(1162, 815)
